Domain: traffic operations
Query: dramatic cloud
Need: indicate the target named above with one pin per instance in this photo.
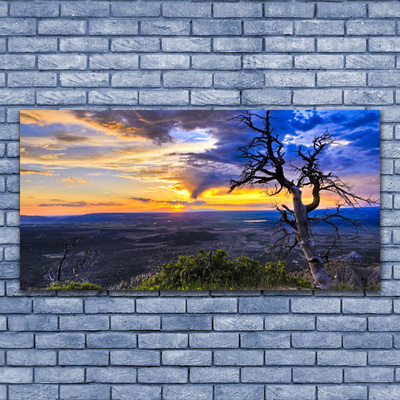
(33, 171)
(79, 204)
(77, 180)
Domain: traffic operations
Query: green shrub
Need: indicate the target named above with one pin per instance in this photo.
(74, 286)
(213, 271)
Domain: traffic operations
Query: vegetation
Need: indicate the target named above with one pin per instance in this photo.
(69, 285)
(215, 271)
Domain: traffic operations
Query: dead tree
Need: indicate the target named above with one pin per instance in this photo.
(266, 167)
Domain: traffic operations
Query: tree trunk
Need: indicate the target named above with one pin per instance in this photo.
(306, 243)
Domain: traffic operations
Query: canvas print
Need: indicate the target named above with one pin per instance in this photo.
(200, 199)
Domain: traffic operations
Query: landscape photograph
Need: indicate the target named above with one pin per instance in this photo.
(200, 199)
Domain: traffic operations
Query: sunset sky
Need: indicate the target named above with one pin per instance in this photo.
(80, 162)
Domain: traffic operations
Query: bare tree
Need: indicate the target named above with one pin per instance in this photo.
(265, 167)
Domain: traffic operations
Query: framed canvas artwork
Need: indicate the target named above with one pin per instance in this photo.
(200, 199)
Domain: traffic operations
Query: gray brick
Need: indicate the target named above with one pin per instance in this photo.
(321, 340)
(34, 9)
(34, 79)
(216, 62)
(18, 26)
(129, 9)
(386, 323)
(62, 61)
(107, 305)
(384, 357)
(37, 392)
(268, 27)
(85, 9)
(236, 392)
(290, 357)
(15, 305)
(384, 78)
(135, 322)
(316, 27)
(319, 61)
(137, 79)
(367, 341)
(384, 10)
(113, 27)
(64, 97)
(61, 27)
(264, 305)
(342, 358)
(387, 44)
(341, 323)
(16, 375)
(370, 61)
(165, 28)
(88, 45)
(289, 79)
(84, 323)
(341, 45)
(179, 392)
(13, 184)
(109, 96)
(212, 305)
(368, 374)
(135, 44)
(32, 323)
(164, 61)
(96, 391)
(289, 323)
(314, 375)
(135, 357)
(32, 45)
(113, 61)
(181, 9)
(367, 306)
(157, 98)
(59, 375)
(237, 45)
(8, 166)
(16, 340)
(186, 357)
(238, 357)
(31, 357)
(163, 340)
(187, 79)
(110, 375)
(290, 392)
(84, 79)
(262, 96)
(241, 323)
(128, 392)
(289, 45)
(317, 96)
(187, 323)
(265, 340)
(365, 27)
(162, 375)
(368, 97)
(214, 375)
(342, 78)
(17, 61)
(263, 375)
(346, 10)
(217, 27)
(288, 10)
(3, 9)
(57, 306)
(325, 306)
(238, 10)
(111, 340)
(218, 97)
(345, 392)
(214, 340)
(194, 45)
(83, 357)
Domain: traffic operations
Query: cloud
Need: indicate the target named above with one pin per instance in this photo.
(34, 171)
(70, 138)
(171, 202)
(64, 203)
(73, 179)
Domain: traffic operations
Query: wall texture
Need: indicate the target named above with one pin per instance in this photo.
(199, 345)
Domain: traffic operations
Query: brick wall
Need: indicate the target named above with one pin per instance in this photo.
(199, 345)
